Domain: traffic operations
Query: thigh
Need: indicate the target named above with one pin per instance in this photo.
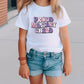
(36, 79)
(53, 80)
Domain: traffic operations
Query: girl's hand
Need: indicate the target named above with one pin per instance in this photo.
(67, 67)
(24, 71)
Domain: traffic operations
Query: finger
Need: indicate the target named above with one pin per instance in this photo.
(26, 76)
(65, 73)
(63, 70)
(23, 75)
(19, 73)
(28, 73)
(69, 73)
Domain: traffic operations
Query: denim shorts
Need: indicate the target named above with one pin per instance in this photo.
(49, 63)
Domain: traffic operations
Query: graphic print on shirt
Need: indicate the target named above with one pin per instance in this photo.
(43, 24)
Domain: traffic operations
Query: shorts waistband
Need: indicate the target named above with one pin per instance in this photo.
(39, 53)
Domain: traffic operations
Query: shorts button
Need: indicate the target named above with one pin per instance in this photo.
(44, 53)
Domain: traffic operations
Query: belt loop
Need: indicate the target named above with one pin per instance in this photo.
(36, 53)
(31, 52)
(50, 54)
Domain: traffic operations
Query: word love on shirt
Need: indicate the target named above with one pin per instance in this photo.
(43, 24)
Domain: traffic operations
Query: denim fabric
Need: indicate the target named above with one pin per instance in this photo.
(49, 63)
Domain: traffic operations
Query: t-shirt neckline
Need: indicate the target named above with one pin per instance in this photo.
(41, 6)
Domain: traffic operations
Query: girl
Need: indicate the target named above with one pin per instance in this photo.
(42, 38)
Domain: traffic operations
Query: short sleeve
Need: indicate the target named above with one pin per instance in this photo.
(65, 20)
(22, 19)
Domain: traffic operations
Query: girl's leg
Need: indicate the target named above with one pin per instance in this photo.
(36, 79)
(53, 80)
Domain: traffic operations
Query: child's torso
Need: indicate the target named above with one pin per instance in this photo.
(43, 32)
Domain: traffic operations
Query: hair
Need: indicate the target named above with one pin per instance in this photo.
(55, 6)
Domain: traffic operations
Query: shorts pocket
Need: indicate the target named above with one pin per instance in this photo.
(57, 57)
(29, 57)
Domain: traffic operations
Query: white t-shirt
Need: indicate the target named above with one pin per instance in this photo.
(43, 27)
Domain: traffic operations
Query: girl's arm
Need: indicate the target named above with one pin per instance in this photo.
(66, 49)
(66, 43)
(24, 69)
(22, 44)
